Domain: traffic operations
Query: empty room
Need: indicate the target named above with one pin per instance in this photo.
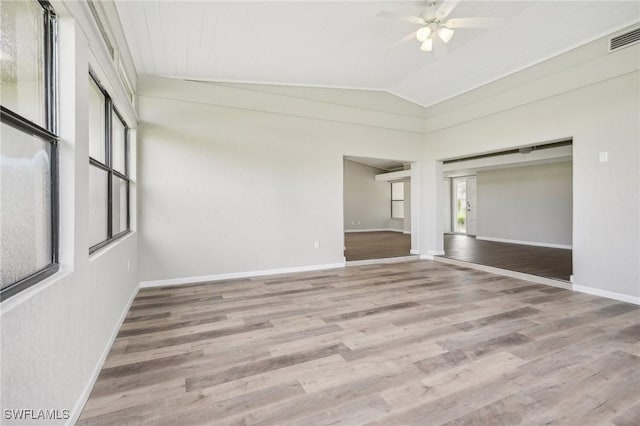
(512, 210)
(319, 212)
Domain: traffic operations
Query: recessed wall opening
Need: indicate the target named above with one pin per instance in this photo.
(512, 209)
(377, 208)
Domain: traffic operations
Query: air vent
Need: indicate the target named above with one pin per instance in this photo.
(624, 40)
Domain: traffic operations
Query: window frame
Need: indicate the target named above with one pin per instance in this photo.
(47, 134)
(396, 200)
(110, 111)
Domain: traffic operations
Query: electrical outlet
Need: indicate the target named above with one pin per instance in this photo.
(603, 157)
(316, 244)
(128, 265)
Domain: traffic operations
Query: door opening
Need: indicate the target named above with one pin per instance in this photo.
(463, 196)
(377, 209)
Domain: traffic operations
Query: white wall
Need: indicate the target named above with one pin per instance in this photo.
(237, 180)
(367, 202)
(586, 94)
(407, 206)
(528, 204)
(446, 205)
(55, 334)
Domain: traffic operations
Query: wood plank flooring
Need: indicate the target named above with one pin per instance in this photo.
(419, 342)
(541, 261)
(376, 245)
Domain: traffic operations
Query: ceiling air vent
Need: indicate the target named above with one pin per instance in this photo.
(624, 40)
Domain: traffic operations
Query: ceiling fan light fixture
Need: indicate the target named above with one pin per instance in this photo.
(427, 45)
(423, 33)
(445, 34)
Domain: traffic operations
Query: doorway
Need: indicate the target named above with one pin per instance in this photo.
(464, 203)
(512, 209)
(377, 209)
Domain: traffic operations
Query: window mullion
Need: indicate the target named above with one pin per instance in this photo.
(128, 206)
(126, 152)
(50, 62)
(109, 204)
(109, 161)
(107, 130)
(55, 203)
(51, 100)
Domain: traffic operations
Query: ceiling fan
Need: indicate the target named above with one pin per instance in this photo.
(434, 25)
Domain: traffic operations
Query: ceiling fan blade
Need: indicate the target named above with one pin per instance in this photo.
(473, 23)
(407, 18)
(446, 8)
(408, 37)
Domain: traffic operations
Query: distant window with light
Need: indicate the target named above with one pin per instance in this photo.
(108, 169)
(397, 200)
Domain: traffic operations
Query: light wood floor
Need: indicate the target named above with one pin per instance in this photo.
(545, 262)
(408, 343)
(376, 245)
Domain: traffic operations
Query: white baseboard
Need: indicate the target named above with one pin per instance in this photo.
(399, 259)
(527, 243)
(412, 251)
(86, 392)
(431, 254)
(608, 294)
(375, 230)
(406, 232)
(234, 275)
(507, 273)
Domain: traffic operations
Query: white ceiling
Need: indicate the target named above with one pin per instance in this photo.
(346, 44)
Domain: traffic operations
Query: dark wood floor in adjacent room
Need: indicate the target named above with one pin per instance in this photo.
(542, 261)
(376, 245)
(419, 342)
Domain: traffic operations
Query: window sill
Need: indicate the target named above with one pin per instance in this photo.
(109, 245)
(22, 297)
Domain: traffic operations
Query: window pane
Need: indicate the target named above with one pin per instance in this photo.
(397, 191)
(120, 205)
(96, 122)
(118, 143)
(22, 59)
(25, 205)
(97, 205)
(397, 209)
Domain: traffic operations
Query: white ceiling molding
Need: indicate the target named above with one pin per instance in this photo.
(221, 96)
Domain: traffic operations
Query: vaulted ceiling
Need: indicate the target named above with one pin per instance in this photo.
(347, 44)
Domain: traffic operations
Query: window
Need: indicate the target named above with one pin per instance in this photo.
(397, 200)
(28, 146)
(108, 169)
